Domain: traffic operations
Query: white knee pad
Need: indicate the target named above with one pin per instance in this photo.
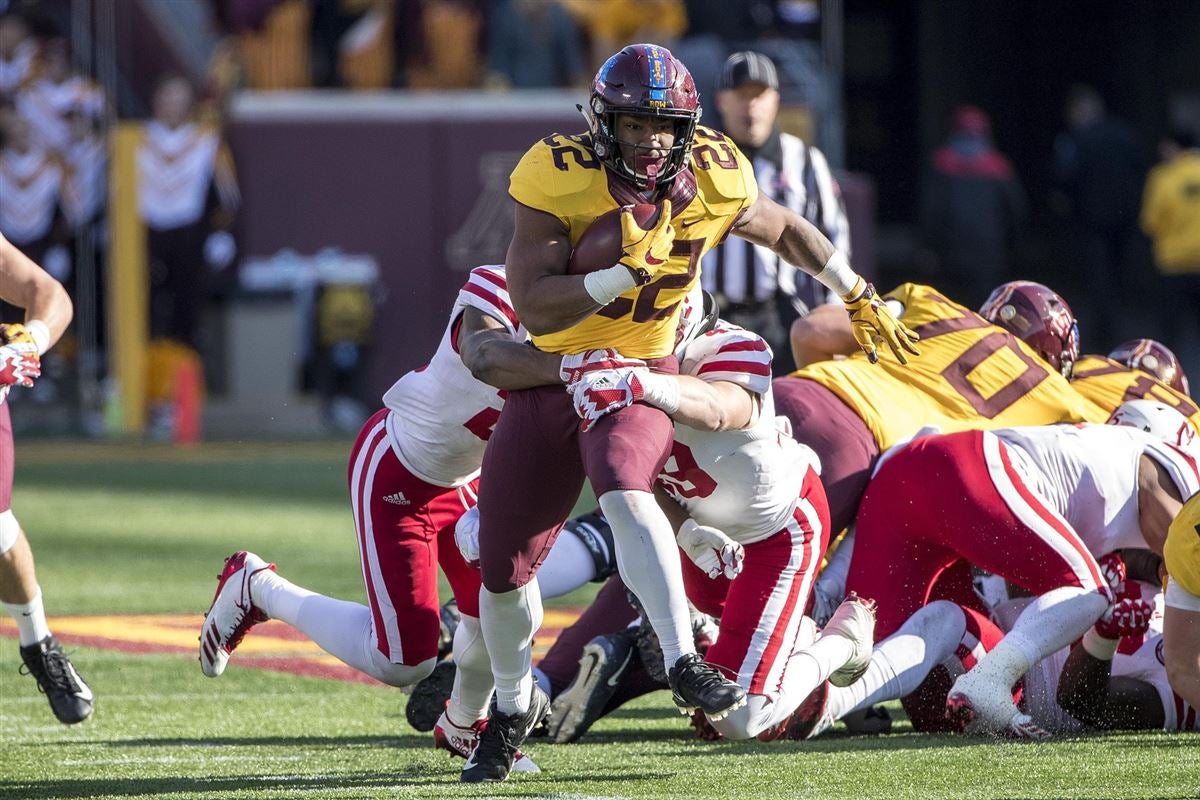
(399, 675)
(10, 530)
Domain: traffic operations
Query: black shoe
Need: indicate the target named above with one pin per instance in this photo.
(492, 758)
(70, 698)
(601, 666)
(429, 696)
(697, 684)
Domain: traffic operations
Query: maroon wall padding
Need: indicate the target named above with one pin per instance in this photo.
(395, 189)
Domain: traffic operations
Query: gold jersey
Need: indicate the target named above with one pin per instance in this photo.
(560, 175)
(1182, 551)
(1108, 383)
(970, 375)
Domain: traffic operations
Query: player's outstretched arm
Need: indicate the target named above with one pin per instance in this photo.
(1159, 502)
(797, 241)
(705, 405)
(1181, 649)
(1087, 689)
(822, 334)
(494, 357)
(26, 285)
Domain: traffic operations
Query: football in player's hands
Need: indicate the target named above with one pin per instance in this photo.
(600, 246)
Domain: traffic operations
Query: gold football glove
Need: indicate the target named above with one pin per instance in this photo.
(18, 336)
(872, 323)
(645, 252)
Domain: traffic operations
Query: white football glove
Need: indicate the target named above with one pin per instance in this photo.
(576, 365)
(19, 364)
(602, 392)
(466, 536)
(711, 550)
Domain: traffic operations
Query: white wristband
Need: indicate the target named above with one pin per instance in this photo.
(40, 332)
(1098, 647)
(838, 275)
(606, 285)
(660, 391)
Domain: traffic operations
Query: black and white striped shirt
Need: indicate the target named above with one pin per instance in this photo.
(797, 176)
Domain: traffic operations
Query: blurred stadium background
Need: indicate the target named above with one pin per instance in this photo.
(366, 145)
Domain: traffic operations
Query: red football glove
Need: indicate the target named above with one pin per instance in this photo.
(1112, 567)
(1127, 617)
(577, 365)
(602, 392)
(19, 364)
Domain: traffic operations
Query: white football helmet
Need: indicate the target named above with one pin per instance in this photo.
(1159, 420)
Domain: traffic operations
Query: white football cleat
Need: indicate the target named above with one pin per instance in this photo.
(984, 706)
(232, 612)
(460, 741)
(854, 620)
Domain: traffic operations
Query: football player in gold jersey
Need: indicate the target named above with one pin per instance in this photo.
(974, 372)
(642, 146)
(1181, 623)
(1140, 369)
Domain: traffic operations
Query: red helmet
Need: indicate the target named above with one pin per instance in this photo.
(1036, 315)
(1154, 358)
(643, 79)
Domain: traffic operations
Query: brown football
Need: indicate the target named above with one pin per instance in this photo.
(600, 245)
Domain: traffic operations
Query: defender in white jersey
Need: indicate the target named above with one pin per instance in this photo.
(1034, 505)
(752, 517)
(413, 472)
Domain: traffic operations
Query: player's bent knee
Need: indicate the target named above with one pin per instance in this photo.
(744, 723)
(10, 531)
(401, 675)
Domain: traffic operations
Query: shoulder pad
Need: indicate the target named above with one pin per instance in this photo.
(486, 290)
(554, 169)
(729, 353)
(723, 173)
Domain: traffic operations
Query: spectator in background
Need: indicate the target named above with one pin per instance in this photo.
(615, 23)
(1171, 218)
(1100, 170)
(972, 211)
(534, 44)
(440, 41)
(753, 286)
(31, 183)
(18, 54)
(185, 179)
(49, 100)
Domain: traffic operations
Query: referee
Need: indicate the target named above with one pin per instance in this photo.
(754, 287)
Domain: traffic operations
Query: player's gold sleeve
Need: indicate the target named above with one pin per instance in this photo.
(1182, 551)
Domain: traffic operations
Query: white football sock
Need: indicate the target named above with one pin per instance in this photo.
(903, 660)
(346, 630)
(1052, 621)
(509, 621)
(31, 619)
(473, 683)
(278, 597)
(648, 559)
(568, 566)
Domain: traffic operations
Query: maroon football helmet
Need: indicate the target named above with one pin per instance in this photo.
(643, 79)
(1036, 315)
(1154, 358)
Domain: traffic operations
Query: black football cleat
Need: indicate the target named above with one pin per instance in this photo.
(429, 697)
(601, 666)
(70, 697)
(499, 744)
(696, 684)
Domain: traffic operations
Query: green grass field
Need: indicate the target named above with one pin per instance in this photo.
(122, 531)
